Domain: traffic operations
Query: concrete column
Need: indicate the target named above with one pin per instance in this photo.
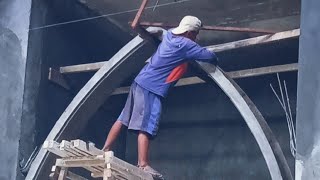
(14, 25)
(308, 103)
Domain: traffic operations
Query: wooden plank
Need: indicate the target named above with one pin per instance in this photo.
(87, 148)
(82, 68)
(88, 161)
(56, 77)
(263, 71)
(63, 173)
(67, 146)
(255, 41)
(55, 171)
(233, 74)
(54, 148)
(121, 169)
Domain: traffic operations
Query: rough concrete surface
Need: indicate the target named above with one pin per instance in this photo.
(14, 25)
(308, 107)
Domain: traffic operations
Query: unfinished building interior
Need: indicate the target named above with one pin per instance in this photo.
(58, 84)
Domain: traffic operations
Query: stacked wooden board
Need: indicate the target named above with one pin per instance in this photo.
(79, 154)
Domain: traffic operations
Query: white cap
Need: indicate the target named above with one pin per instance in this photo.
(188, 23)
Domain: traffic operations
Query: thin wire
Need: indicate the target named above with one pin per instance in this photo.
(104, 15)
(292, 145)
(289, 118)
(280, 87)
(290, 113)
(155, 5)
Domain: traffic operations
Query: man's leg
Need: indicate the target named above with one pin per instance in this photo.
(143, 155)
(143, 149)
(112, 136)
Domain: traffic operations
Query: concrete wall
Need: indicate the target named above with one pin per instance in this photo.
(308, 107)
(14, 25)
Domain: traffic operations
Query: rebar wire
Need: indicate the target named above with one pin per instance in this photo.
(288, 116)
(292, 147)
(290, 113)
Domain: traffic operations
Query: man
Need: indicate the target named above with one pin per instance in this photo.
(143, 107)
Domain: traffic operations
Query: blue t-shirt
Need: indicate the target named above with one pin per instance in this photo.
(170, 62)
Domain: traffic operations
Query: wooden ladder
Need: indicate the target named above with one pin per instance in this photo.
(79, 154)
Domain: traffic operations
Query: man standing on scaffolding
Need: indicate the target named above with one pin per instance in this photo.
(142, 110)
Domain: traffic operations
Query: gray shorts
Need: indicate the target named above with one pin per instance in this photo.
(142, 110)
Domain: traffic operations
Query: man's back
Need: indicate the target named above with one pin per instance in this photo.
(169, 63)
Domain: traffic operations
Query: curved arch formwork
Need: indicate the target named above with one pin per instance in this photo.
(269, 146)
(130, 59)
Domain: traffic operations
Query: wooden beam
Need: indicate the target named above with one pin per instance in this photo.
(56, 77)
(263, 71)
(255, 41)
(82, 68)
(233, 74)
(84, 161)
(63, 173)
(115, 168)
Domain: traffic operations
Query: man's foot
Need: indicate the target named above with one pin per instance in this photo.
(105, 149)
(155, 174)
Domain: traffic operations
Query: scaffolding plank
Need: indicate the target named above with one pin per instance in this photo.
(122, 170)
(54, 148)
(87, 148)
(85, 161)
(67, 146)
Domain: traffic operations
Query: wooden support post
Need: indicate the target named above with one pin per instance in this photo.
(55, 171)
(107, 174)
(119, 169)
(63, 173)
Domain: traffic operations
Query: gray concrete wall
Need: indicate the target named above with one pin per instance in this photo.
(308, 107)
(14, 25)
